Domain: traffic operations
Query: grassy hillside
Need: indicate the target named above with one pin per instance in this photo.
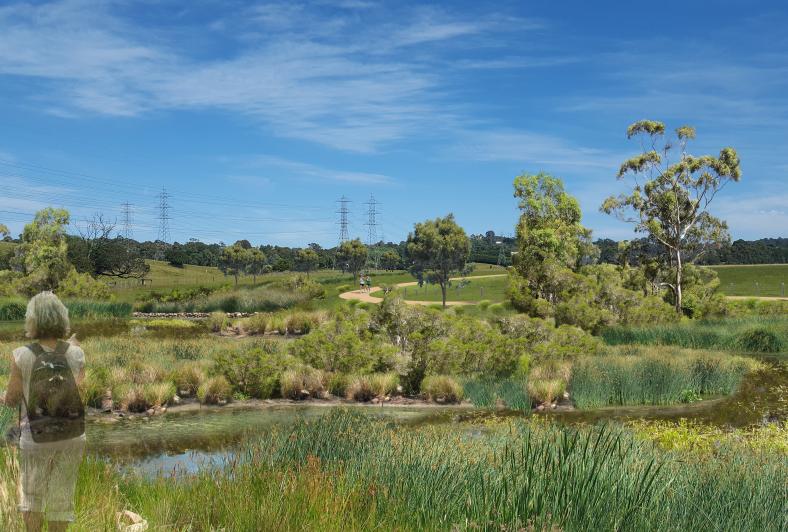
(490, 288)
(753, 279)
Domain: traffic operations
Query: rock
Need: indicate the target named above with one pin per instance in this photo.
(387, 398)
(221, 402)
(305, 394)
(553, 405)
(128, 521)
(176, 399)
(566, 395)
(106, 405)
(399, 388)
(375, 401)
(163, 409)
(540, 408)
(150, 411)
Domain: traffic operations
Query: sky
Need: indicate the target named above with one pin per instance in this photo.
(256, 117)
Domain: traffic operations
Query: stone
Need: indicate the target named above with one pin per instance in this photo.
(150, 411)
(375, 401)
(540, 408)
(176, 399)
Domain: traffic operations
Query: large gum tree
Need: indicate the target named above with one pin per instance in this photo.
(671, 193)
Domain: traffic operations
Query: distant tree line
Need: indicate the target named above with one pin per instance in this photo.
(762, 251)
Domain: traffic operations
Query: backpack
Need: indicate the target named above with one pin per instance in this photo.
(54, 407)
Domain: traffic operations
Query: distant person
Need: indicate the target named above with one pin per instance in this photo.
(361, 283)
(368, 280)
(43, 383)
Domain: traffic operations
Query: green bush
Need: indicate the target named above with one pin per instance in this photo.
(214, 391)
(442, 389)
(759, 340)
(218, 321)
(336, 384)
(158, 393)
(12, 310)
(384, 383)
(94, 386)
(255, 371)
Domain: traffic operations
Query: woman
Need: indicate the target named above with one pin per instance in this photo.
(48, 467)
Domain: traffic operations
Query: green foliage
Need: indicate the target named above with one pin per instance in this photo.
(42, 255)
(759, 340)
(12, 310)
(306, 260)
(187, 378)
(442, 389)
(254, 371)
(345, 345)
(438, 248)
(97, 309)
(82, 286)
(352, 255)
(302, 383)
(669, 200)
(218, 321)
(486, 392)
(234, 260)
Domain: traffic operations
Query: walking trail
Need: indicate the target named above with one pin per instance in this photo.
(367, 297)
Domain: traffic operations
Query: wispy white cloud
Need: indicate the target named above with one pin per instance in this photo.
(315, 172)
(753, 216)
(530, 148)
(301, 75)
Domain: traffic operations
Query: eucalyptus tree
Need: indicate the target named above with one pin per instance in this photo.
(671, 194)
(233, 260)
(255, 264)
(307, 260)
(352, 255)
(438, 248)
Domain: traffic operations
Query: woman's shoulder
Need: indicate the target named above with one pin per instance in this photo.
(76, 353)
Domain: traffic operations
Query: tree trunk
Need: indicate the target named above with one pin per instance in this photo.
(443, 292)
(236, 279)
(678, 281)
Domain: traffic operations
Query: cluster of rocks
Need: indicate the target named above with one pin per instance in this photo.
(189, 315)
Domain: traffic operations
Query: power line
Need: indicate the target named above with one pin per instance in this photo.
(343, 218)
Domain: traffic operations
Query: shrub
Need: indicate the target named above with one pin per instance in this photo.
(98, 309)
(187, 379)
(302, 383)
(214, 391)
(82, 285)
(359, 388)
(484, 304)
(185, 350)
(12, 310)
(442, 389)
(759, 340)
(255, 371)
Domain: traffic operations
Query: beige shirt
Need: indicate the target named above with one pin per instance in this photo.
(24, 359)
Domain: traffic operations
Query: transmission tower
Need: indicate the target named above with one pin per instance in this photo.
(343, 218)
(126, 231)
(372, 223)
(164, 215)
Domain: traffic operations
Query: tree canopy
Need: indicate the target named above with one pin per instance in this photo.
(352, 256)
(671, 193)
(438, 248)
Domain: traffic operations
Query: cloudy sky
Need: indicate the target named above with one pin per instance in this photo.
(258, 116)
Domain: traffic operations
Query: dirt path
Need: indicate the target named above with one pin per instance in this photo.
(367, 297)
(765, 298)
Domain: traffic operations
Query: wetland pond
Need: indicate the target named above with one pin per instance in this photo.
(182, 442)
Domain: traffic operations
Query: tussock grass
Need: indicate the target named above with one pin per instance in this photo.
(261, 299)
(14, 309)
(442, 389)
(490, 392)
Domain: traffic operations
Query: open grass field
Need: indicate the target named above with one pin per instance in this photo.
(753, 279)
(487, 288)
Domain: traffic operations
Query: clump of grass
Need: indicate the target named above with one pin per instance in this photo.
(131, 397)
(159, 393)
(218, 321)
(442, 389)
(384, 383)
(257, 324)
(214, 390)
(548, 380)
(302, 383)
(187, 379)
(336, 384)
(95, 385)
(359, 388)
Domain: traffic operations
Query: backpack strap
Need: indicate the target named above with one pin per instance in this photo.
(62, 347)
(36, 349)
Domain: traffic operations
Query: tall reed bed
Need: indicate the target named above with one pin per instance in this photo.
(348, 472)
(490, 392)
(261, 299)
(14, 309)
(655, 377)
(754, 334)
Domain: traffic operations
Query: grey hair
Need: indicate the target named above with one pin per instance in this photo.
(46, 317)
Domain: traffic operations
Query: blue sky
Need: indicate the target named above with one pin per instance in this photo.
(257, 116)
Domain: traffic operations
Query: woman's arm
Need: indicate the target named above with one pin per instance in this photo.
(13, 395)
